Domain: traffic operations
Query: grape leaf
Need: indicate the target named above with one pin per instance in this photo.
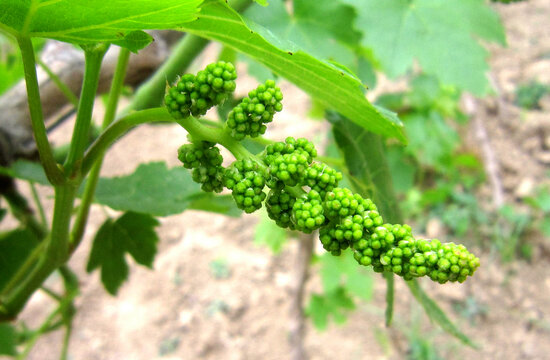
(220, 204)
(343, 271)
(432, 140)
(435, 313)
(321, 27)
(365, 158)
(15, 247)
(26, 170)
(334, 304)
(270, 234)
(131, 233)
(80, 21)
(441, 35)
(7, 340)
(329, 84)
(152, 188)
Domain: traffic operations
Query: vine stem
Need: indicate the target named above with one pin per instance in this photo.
(53, 172)
(119, 128)
(93, 56)
(56, 251)
(91, 184)
(182, 55)
(194, 127)
(191, 125)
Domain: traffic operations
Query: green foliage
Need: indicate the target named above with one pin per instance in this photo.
(471, 308)
(332, 305)
(152, 188)
(528, 95)
(342, 271)
(131, 233)
(508, 229)
(11, 69)
(26, 170)
(436, 314)
(220, 268)
(421, 348)
(15, 248)
(169, 345)
(322, 28)
(270, 234)
(507, 1)
(117, 22)
(401, 31)
(343, 283)
(7, 340)
(541, 205)
(329, 84)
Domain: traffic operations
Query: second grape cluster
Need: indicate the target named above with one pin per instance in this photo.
(302, 193)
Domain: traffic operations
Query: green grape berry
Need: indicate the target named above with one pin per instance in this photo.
(279, 205)
(194, 95)
(321, 178)
(288, 161)
(205, 161)
(250, 116)
(332, 238)
(307, 212)
(247, 182)
(341, 202)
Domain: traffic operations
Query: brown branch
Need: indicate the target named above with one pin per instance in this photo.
(296, 336)
(490, 160)
(67, 62)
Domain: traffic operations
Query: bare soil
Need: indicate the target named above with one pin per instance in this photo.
(182, 311)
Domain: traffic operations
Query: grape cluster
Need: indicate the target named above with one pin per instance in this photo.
(308, 213)
(245, 179)
(256, 110)
(205, 160)
(279, 205)
(288, 161)
(303, 194)
(321, 178)
(349, 214)
(196, 94)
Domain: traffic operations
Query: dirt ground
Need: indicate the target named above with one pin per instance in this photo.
(182, 311)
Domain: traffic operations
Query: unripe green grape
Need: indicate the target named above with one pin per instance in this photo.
(332, 238)
(341, 202)
(288, 161)
(279, 204)
(257, 109)
(247, 182)
(196, 94)
(307, 212)
(321, 178)
(205, 160)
